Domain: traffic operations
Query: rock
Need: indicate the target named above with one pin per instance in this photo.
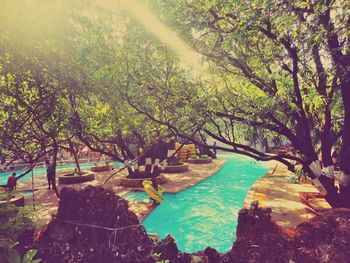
(79, 234)
(325, 238)
(259, 239)
(166, 249)
(212, 255)
(209, 255)
(83, 230)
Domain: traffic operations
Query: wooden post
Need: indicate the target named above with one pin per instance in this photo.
(33, 190)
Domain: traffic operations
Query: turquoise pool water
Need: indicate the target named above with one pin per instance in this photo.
(42, 171)
(205, 214)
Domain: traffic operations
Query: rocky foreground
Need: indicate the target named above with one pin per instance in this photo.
(95, 225)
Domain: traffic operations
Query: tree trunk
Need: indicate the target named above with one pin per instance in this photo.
(326, 145)
(323, 179)
(55, 151)
(71, 146)
(265, 144)
(344, 180)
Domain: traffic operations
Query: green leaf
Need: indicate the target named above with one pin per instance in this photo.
(29, 256)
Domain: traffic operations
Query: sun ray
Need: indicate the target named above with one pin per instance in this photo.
(189, 58)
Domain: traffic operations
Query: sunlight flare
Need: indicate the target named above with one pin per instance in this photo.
(189, 58)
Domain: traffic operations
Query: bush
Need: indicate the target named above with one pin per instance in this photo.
(194, 156)
(5, 195)
(300, 174)
(15, 227)
(204, 156)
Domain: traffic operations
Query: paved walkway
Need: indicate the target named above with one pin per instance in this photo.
(275, 191)
(47, 202)
(178, 182)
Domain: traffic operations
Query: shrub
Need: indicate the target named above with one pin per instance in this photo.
(15, 227)
(300, 174)
(5, 195)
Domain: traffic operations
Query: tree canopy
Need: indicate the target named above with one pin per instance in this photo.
(283, 67)
(90, 73)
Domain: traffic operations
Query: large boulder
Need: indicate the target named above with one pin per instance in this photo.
(166, 249)
(209, 255)
(94, 225)
(259, 239)
(325, 238)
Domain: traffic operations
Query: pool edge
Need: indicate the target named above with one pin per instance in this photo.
(250, 196)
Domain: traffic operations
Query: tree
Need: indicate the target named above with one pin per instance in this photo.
(34, 90)
(275, 58)
(133, 64)
(67, 86)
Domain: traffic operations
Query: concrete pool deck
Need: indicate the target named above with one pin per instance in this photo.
(274, 190)
(178, 182)
(47, 202)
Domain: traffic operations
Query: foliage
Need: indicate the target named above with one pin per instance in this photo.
(34, 104)
(13, 256)
(15, 227)
(300, 174)
(157, 256)
(268, 58)
(93, 70)
(5, 194)
(92, 75)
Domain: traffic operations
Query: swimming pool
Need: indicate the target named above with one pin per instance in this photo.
(40, 171)
(205, 214)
